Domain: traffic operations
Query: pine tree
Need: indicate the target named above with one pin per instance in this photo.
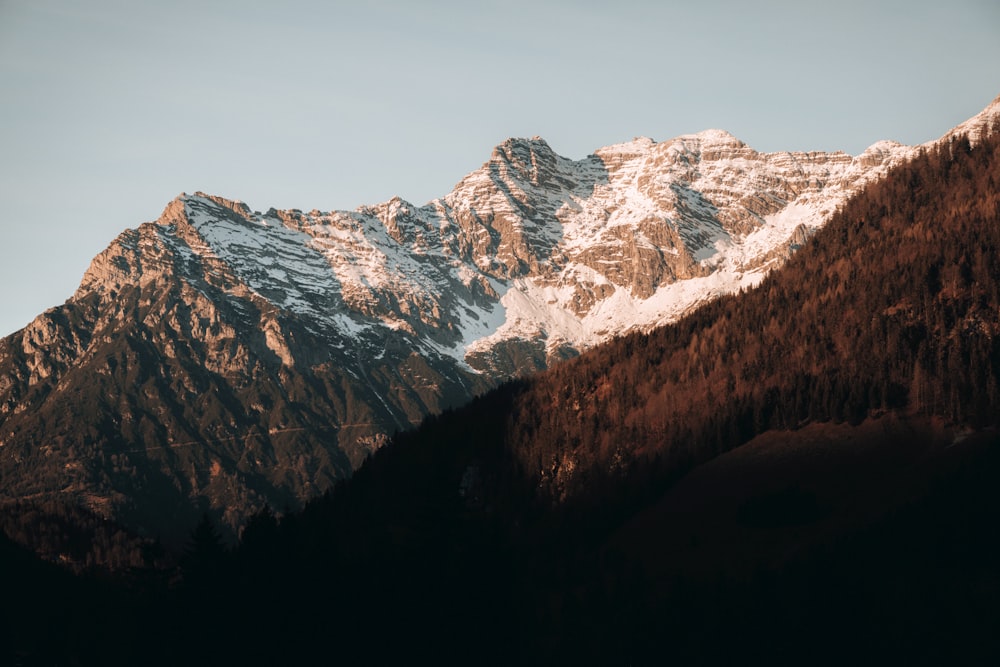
(205, 555)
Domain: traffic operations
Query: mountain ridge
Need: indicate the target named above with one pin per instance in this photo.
(230, 359)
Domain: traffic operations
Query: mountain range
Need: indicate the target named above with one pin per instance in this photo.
(800, 472)
(224, 360)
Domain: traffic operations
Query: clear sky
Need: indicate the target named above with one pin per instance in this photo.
(110, 108)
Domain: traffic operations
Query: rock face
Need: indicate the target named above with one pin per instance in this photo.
(220, 359)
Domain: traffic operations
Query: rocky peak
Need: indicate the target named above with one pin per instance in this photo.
(711, 145)
(983, 124)
(881, 151)
(235, 206)
(616, 155)
(527, 160)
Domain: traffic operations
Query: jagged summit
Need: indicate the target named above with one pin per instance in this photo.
(985, 123)
(713, 137)
(532, 251)
(589, 242)
(520, 150)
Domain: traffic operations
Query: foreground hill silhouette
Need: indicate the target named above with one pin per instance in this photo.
(804, 473)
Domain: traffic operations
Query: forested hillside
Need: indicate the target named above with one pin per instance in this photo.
(895, 305)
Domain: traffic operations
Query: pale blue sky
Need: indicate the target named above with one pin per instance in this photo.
(110, 108)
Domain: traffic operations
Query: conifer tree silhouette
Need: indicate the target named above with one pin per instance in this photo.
(204, 556)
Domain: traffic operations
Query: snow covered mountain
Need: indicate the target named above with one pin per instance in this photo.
(533, 251)
(222, 358)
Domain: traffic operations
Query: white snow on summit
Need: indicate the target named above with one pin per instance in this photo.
(533, 246)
